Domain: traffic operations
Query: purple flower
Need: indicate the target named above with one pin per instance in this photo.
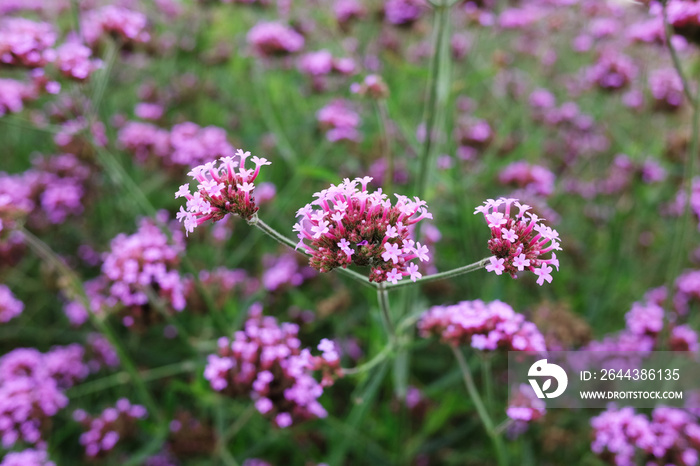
(486, 326)
(379, 231)
(270, 39)
(532, 239)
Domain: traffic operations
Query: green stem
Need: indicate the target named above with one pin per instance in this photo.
(383, 118)
(379, 358)
(280, 238)
(123, 377)
(236, 427)
(480, 408)
(383, 299)
(164, 311)
(438, 92)
(46, 253)
(442, 275)
(682, 226)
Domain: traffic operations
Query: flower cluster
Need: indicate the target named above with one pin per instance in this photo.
(524, 405)
(28, 457)
(625, 438)
(104, 431)
(73, 61)
(284, 270)
(687, 288)
(13, 94)
(485, 326)
(684, 17)
(404, 12)
(666, 88)
(142, 261)
(31, 393)
(322, 63)
(272, 39)
(683, 338)
(612, 71)
(348, 10)
(187, 144)
(535, 178)
(226, 187)
(100, 353)
(266, 362)
(49, 192)
(339, 121)
(519, 240)
(10, 307)
(128, 25)
(346, 225)
(473, 136)
(26, 43)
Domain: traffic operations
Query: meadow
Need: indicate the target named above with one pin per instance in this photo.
(277, 232)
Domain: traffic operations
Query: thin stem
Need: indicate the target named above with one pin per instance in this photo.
(280, 238)
(46, 253)
(677, 245)
(438, 92)
(123, 377)
(668, 32)
(236, 427)
(383, 118)
(480, 408)
(442, 275)
(378, 359)
(383, 299)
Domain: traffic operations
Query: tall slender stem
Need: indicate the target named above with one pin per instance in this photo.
(480, 408)
(438, 92)
(383, 118)
(383, 299)
(677, 245)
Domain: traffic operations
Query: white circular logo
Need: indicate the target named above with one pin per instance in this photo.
(542, 368)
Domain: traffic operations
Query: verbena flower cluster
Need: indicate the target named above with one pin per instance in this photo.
(185, 145)
(113, 424)
(266, 362)
(28, 457)
(535, 178)
(525, 406)
(24, 42)
(284, 271)
(49, 192)
(226, 187)
(136, 265)
(339, 121)
(31, 391)
(10, 307)
(348, 225)
(518, 240)
(127, 25)
(625, 438)
(270, 39)
(483, 325)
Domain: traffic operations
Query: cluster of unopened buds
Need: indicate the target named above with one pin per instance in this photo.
(518, 240)
(346, 225)
(485, 326)
(226, 187)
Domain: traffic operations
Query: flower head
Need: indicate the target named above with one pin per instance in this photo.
(348, 225)
(224, 187)
(486, 326)
(518, 240)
